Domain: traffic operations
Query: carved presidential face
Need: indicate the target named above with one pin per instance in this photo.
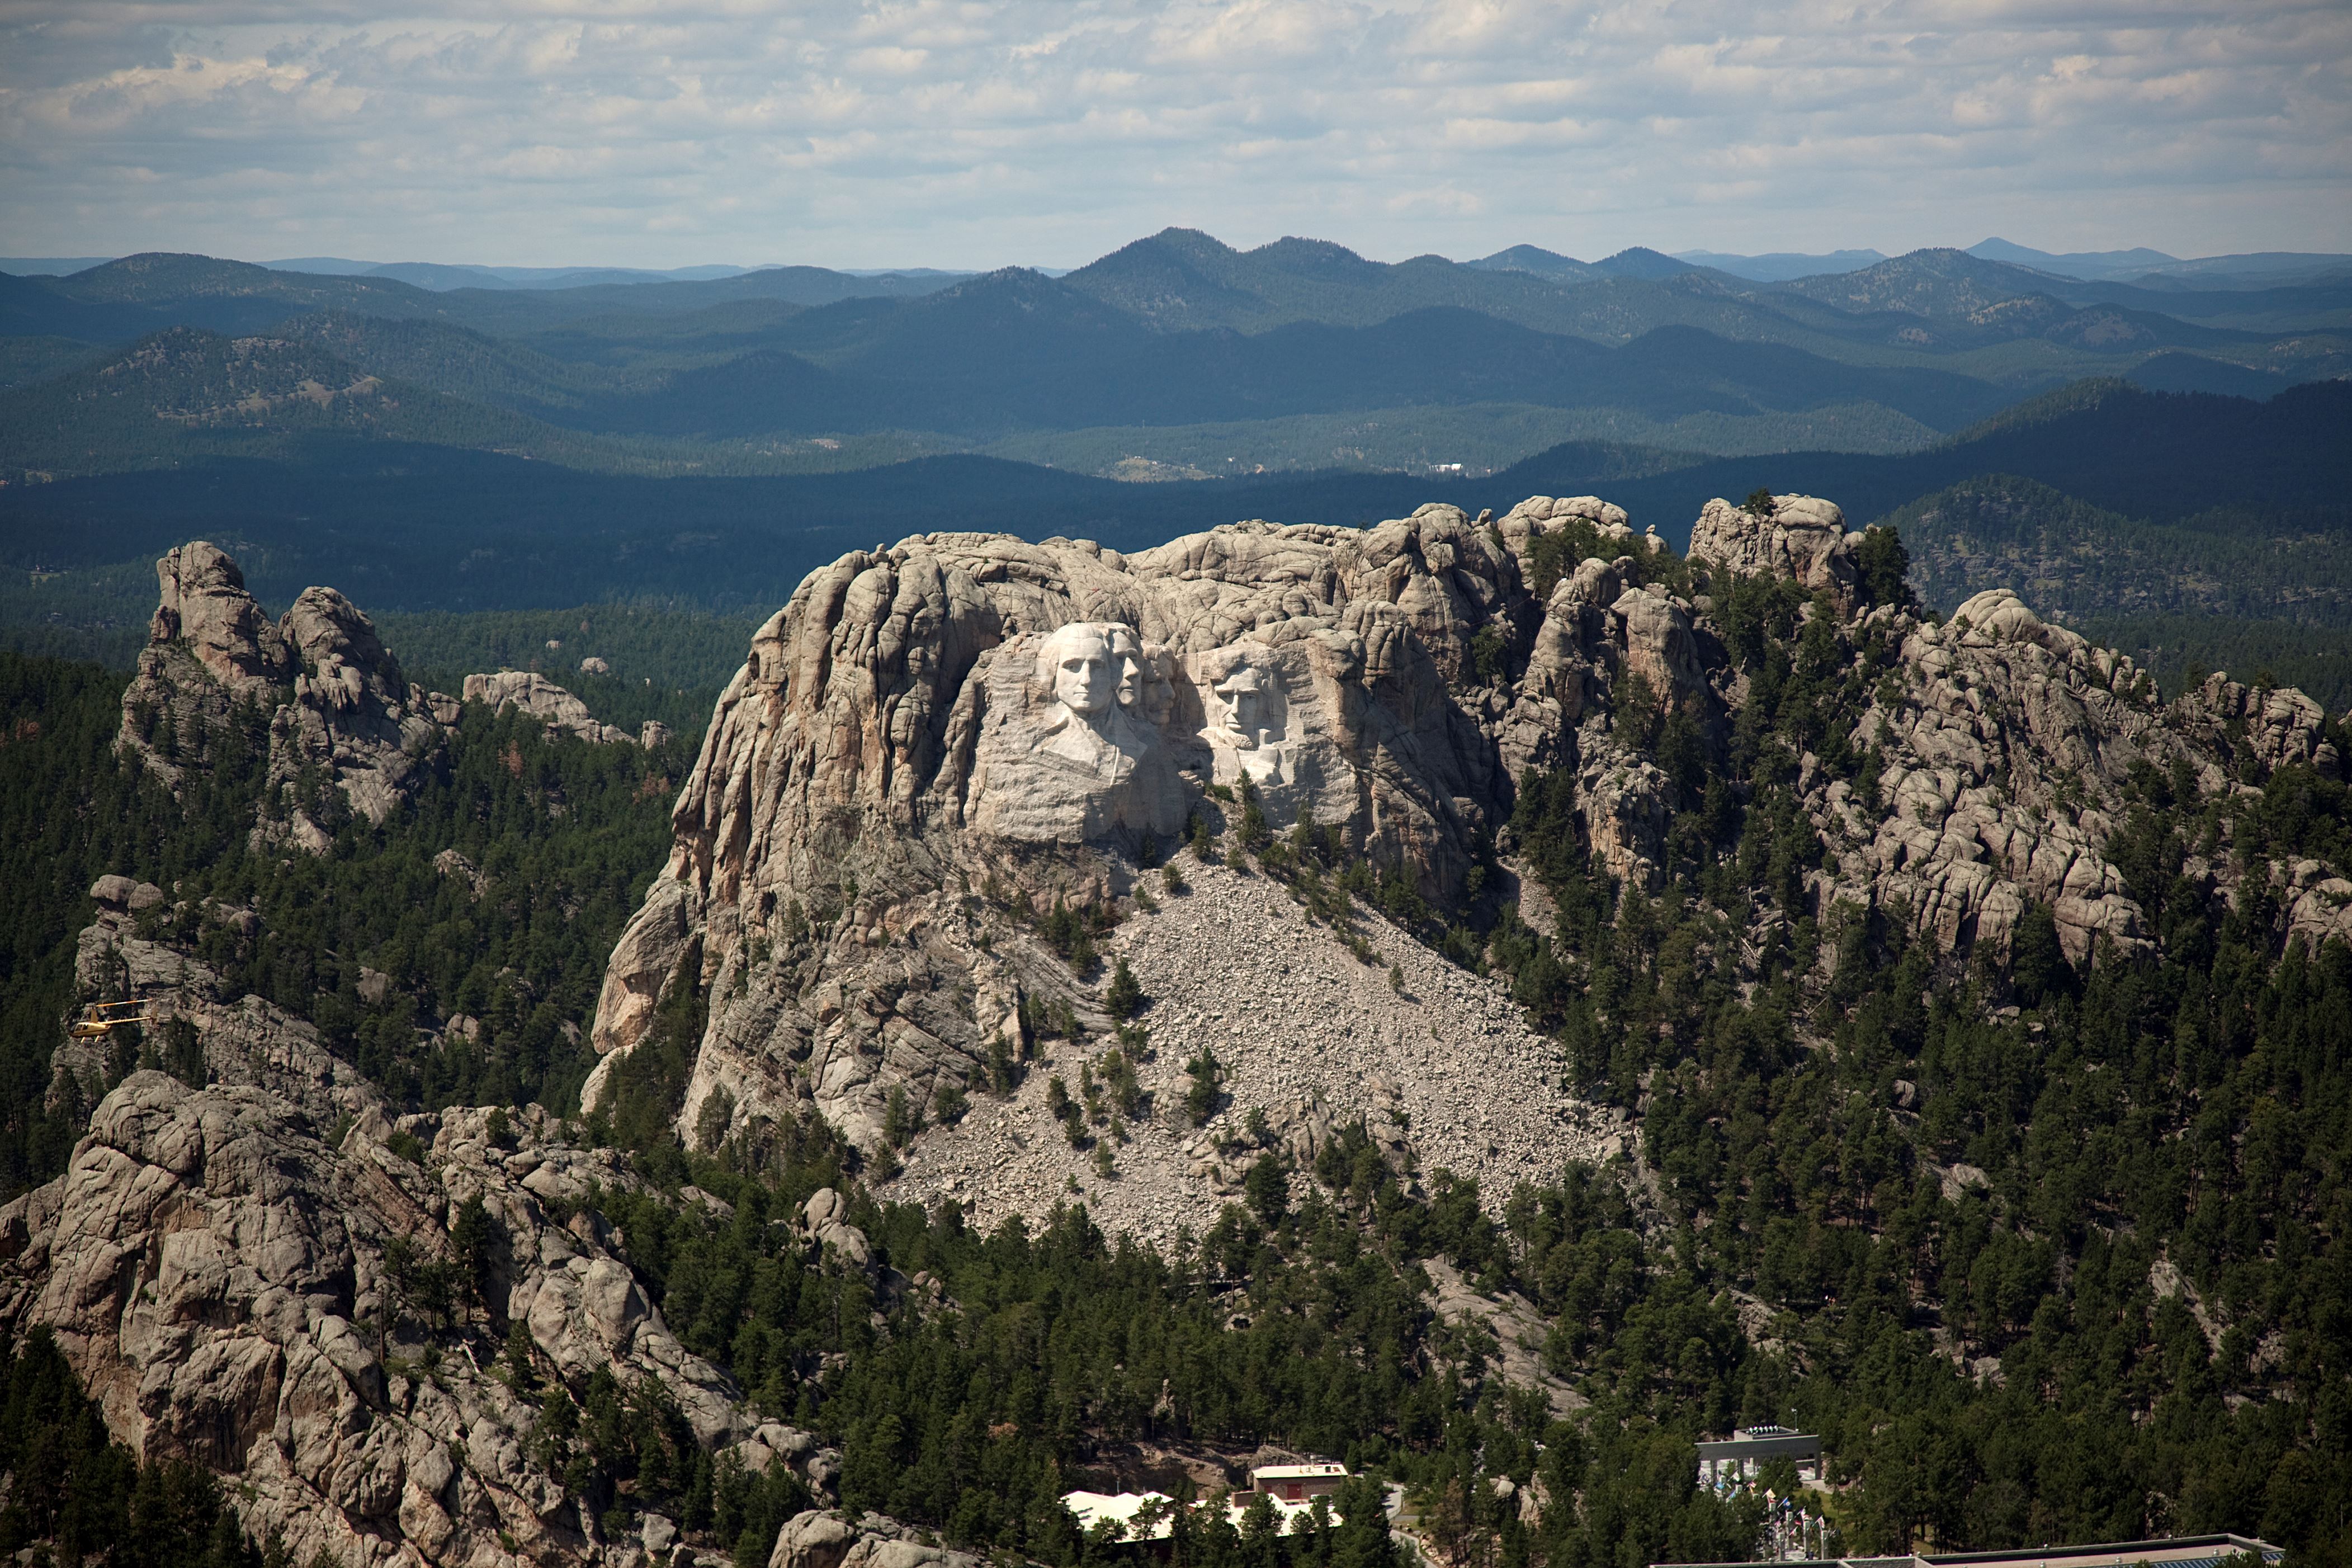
(1085, 676)
(1251, 710)
(1127, 656)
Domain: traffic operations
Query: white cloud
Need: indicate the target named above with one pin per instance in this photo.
(976, 133)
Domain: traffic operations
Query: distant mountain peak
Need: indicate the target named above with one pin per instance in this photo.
(1535, 259)
(2080, 264)
(1318, 257)
(1640, 261)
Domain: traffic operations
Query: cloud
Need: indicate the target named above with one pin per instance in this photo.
(977, 132)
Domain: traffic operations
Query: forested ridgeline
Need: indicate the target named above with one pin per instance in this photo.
(2264, 593)
(553, 840)
(2044, 1255)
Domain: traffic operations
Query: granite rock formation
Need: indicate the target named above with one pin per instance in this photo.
(334, 698)
(1802, 538)
(239, 1038)
(541, 698)
(904, 735)
(352, 715)
(223, 1279)
(317, 687)
(210, 648)
(918, 758)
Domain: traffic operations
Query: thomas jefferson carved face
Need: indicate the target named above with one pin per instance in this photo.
(1085, 675)
(1127, 653)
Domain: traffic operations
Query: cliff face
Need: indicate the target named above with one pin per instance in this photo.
(915, 744)
(964, 711)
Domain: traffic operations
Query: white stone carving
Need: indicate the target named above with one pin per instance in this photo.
(1248, 708)
(1068, 753)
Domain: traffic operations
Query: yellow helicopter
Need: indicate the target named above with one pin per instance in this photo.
(101, 1018)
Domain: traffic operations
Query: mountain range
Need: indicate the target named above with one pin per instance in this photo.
(373, 430)
(1175, 331)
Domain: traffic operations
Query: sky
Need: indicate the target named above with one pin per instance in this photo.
(1046, 132)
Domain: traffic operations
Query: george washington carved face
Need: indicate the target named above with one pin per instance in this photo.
(1078, 663)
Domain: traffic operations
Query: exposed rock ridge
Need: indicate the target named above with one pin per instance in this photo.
(210, 1267)
(2004, 741)
(334, 699)
(912, 749)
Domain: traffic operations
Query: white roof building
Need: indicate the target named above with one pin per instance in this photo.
(1148, 1516)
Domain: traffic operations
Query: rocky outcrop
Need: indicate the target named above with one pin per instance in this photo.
(318, 688)
(237, 1037)
(210, 650)
(206, 610)
(933, 739)
(226, 1285)
(1998, 756)
(2004, 743)
(353, 714)
(544, 700)
(2254, 728)
(2318, 904)
(334, 699)
(819, 1539)
(1799, 537)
